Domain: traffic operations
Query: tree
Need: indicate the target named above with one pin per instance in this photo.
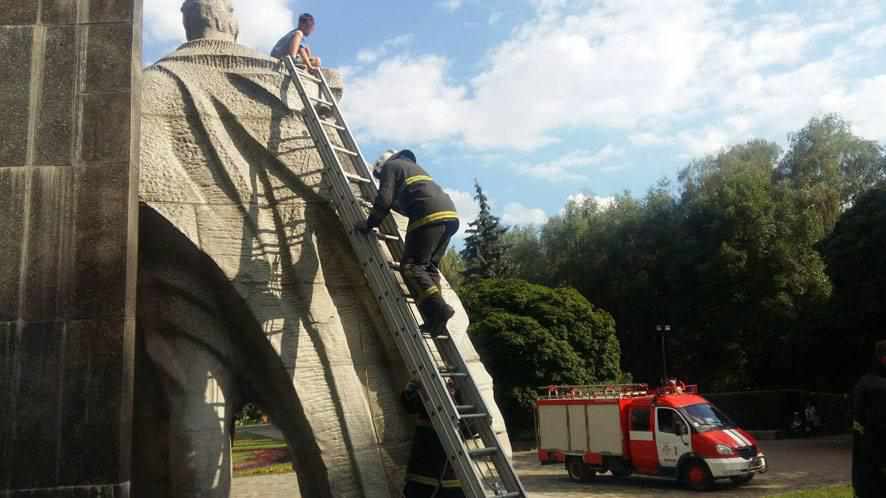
(484, 251)
(452, 266)
(856, 263)
(530, 336)
(831, 167)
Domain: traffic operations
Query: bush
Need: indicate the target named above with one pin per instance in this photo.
(531, 336)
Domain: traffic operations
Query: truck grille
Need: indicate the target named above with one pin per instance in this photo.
(747, 452)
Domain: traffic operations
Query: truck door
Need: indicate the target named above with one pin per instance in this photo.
(644, 456)
(671, 436)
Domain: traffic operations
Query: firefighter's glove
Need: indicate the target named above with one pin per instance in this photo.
(363, 227)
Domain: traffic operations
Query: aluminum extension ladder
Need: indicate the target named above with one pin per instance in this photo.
(464, 426)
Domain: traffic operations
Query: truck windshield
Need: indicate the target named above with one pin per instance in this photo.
(706, 417)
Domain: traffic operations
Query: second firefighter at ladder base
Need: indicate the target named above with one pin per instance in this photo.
(406, 187)
(429, 474)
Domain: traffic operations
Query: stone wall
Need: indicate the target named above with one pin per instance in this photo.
(69, 73)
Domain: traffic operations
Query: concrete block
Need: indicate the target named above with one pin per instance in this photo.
(106, 127)
(55, 119)
(18, 12)
(96, 280)
(8, 380)
(94, 367)
(35, 443)
(49, 222)
(108, 57)
(14, 183)
(59, 12)
(102, 11)
(15, 87)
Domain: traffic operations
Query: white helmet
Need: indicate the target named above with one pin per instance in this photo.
(382, 159)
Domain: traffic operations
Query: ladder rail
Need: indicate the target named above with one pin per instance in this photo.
(443, 412)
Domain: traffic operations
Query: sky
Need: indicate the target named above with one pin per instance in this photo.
(542, 101)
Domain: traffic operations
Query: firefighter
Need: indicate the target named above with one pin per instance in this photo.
(406, 187)
(428, 474)
(869, 430)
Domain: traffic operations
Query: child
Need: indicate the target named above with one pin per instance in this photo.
(291, 44)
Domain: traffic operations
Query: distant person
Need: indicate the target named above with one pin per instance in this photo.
(869, 430)
(812, 420)
(428, 474)
(406, 187)
(292, 44)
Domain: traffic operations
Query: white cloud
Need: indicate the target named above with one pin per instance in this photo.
(649, 69)
(406, 101)
(466, 207)
(261, 23)
(648, 138)
(580, 199)
(574, 165)
(450, 5)
(873, 38)
(370, 55)
(518, 214)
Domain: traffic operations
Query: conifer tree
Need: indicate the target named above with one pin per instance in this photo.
(484, 253)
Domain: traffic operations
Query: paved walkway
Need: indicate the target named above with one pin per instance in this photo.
(794, 464)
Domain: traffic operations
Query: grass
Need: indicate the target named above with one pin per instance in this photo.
(827, 492)
(258, 455)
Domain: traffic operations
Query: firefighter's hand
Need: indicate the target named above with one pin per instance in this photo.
(362, 227)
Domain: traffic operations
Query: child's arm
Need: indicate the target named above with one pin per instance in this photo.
(296, 43)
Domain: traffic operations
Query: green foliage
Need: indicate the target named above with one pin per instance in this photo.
(856, 263)
(726, 257)
(531, 336)
(484, 251)
(452, 266)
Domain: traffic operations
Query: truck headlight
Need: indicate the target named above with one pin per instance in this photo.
(724, 450)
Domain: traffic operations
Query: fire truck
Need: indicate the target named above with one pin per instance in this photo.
(670, 432)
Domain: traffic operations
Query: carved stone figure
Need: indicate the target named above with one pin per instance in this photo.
(249, 289)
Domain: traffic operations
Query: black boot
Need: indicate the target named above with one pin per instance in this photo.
(436, 313)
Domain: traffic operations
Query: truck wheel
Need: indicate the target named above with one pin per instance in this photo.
(739, 480)
(619, 469)
(578, 471)
(697, 476)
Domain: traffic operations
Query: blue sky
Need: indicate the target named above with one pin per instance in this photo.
(543, 100)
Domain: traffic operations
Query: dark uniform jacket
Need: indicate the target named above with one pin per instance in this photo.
(408, 189)
(869, 430)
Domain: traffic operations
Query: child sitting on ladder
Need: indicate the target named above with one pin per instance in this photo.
(292, 44)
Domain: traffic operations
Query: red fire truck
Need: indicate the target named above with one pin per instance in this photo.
(625, 429)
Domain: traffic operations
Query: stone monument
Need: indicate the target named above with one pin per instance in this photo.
(69, 80)
(248, 289)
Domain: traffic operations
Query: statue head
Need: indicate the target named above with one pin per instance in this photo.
(212, 19)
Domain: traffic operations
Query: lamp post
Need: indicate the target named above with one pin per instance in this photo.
(663, 330)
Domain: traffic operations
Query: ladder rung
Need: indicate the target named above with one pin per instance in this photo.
(394, 265)
(483, 452)
(474, 415)
(333, 125)
(462, 408)
(512, 494)
(366, 204)
(321, 101)
(453, 374)
(304, 74)
(357, 178)
(437, 337)
(387, 236)
(350, 153)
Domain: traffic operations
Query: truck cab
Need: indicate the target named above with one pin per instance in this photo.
(671, 431)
